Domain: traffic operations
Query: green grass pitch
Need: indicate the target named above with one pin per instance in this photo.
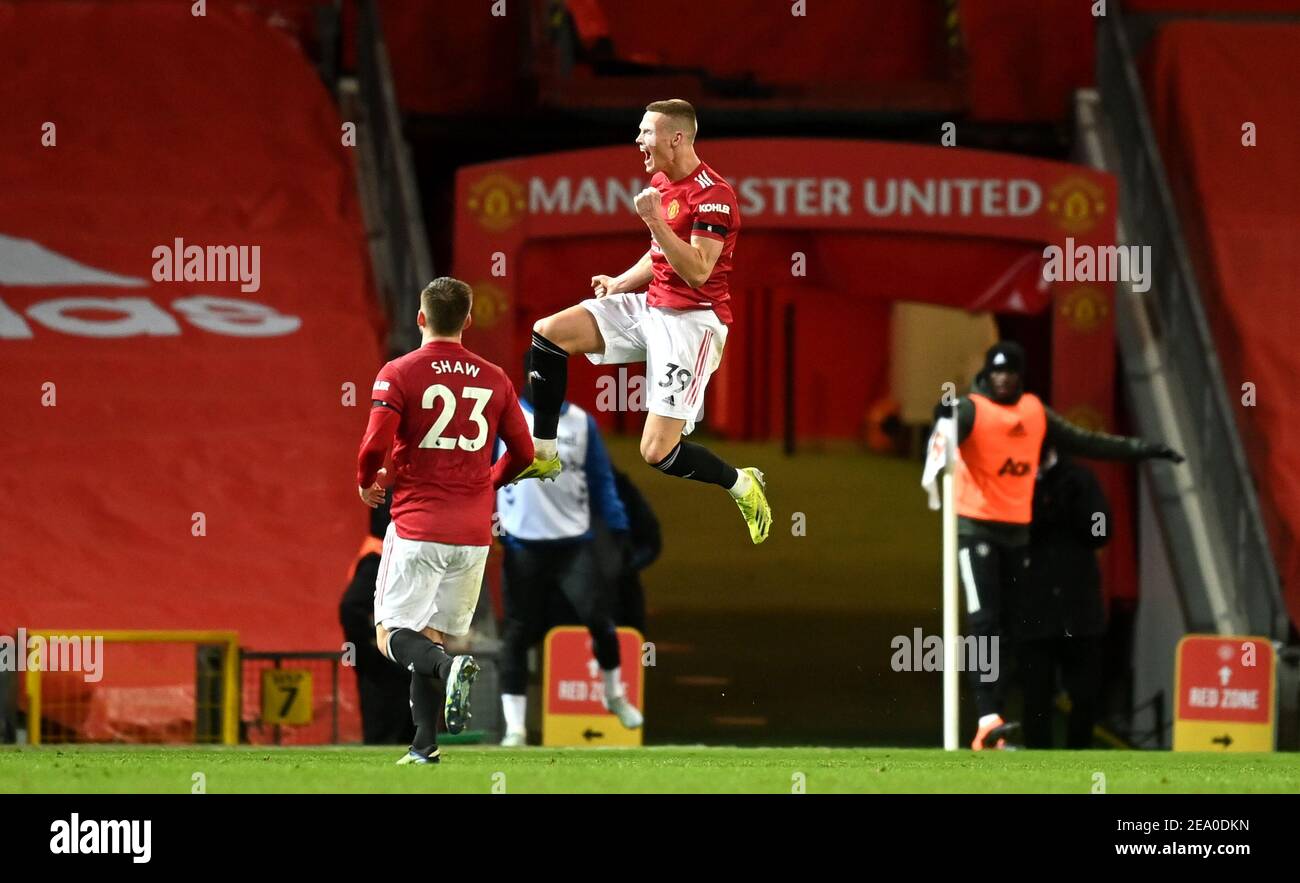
(468, 769)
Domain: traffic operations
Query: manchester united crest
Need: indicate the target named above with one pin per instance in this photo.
(1076, 204)
(490, 304)
(497, 201)
(673, 208)
(1084, 309)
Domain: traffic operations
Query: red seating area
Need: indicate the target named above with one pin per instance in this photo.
(1006, 60)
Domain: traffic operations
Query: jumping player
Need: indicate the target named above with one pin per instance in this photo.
(671, 309)
(440, 409)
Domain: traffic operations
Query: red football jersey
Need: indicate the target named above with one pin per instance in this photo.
(452, 404)
(701, 204)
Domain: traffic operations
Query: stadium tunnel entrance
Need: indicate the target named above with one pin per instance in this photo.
(835, 237)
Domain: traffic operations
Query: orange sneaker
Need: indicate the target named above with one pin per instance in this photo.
(993, 735)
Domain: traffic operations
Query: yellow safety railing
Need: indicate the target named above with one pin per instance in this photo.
(228, 640)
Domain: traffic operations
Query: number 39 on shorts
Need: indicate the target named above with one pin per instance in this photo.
(675, 373)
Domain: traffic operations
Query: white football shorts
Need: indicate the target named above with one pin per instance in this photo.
(428, 585)
(681, 349)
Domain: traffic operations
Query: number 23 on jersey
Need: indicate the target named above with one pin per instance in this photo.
(441, 398)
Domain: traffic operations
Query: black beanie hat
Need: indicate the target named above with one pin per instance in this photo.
(1006, 355)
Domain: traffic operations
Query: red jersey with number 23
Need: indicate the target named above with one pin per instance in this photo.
(452, 404)
(701, 204)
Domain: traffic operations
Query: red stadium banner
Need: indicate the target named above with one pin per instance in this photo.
(941, 200)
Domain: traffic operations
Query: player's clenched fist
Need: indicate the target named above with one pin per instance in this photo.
(603, 285)
(649, 204)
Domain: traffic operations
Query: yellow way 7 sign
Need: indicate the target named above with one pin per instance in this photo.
(286, 696)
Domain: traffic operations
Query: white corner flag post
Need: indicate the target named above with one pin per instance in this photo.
(951, 640)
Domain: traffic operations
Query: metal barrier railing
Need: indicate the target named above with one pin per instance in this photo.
(409, 266)
(269, 703)
(1175, 312)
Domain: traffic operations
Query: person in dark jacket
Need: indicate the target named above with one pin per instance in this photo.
(641, 549)
(623, 555)
(548, 534)
(384, 689)
(1061, 617)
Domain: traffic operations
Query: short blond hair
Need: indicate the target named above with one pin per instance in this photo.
(678, 109)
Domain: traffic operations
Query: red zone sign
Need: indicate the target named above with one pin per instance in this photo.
(572, 685)
(1225, 689)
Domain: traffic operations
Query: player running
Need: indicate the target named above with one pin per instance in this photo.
(439, 408)
(671, 309)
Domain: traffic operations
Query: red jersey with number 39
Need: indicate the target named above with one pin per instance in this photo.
(452, 404)
(701, 204)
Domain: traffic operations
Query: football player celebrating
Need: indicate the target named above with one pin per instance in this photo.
(671, 309)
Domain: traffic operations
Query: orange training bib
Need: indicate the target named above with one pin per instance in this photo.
(999, 460)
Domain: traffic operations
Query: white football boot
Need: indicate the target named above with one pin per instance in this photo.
(625, 711)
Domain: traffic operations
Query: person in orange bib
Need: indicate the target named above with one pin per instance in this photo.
(1001, 429)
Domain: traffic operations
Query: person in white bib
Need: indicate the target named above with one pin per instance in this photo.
(549, 542)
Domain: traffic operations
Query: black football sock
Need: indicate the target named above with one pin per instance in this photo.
(415, 652)
(427, 697)
(549, 381)
(697, 463)
(604, 641)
